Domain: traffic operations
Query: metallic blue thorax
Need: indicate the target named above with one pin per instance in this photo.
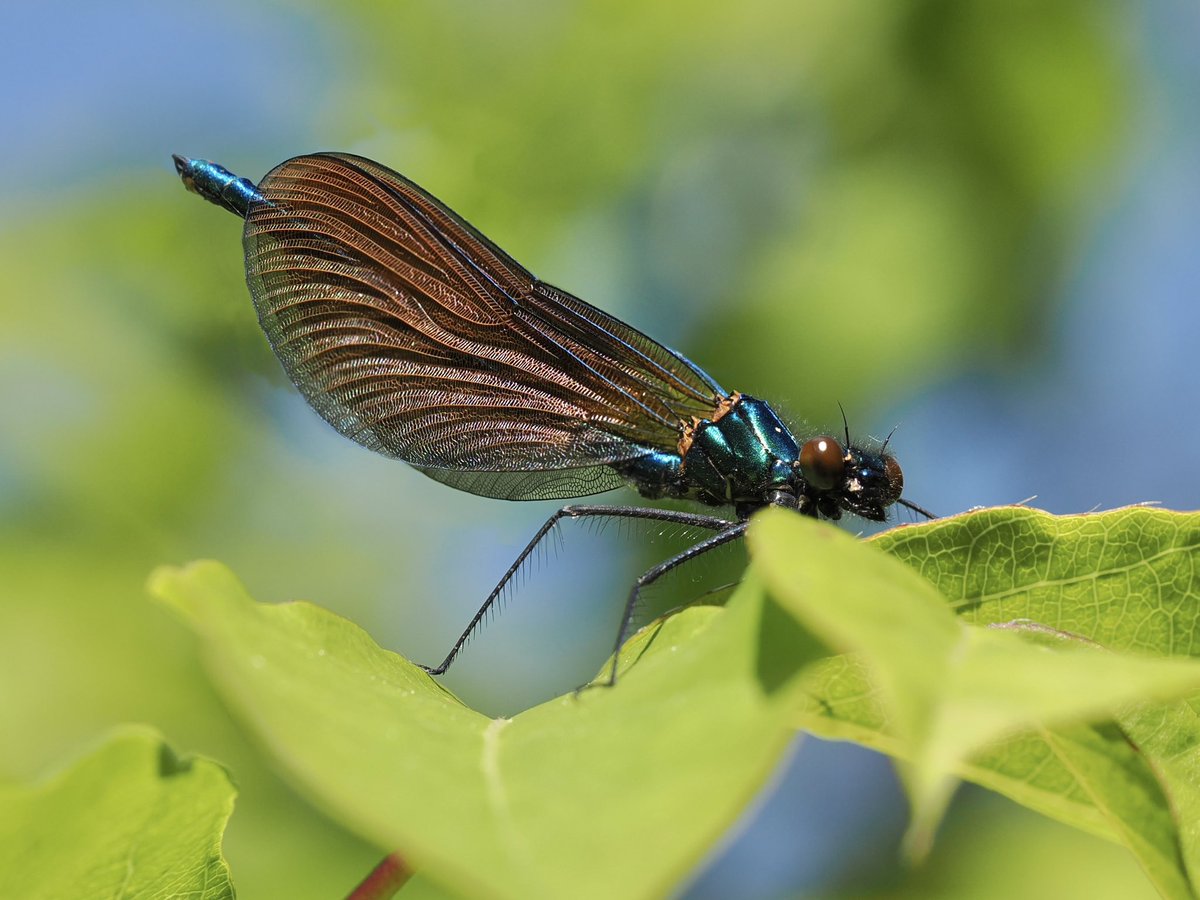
(741, 456)
(738, 456)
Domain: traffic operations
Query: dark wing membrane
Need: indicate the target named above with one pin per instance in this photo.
(414, 335)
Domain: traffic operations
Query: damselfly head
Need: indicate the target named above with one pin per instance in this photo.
(847, 478)
(873, 483)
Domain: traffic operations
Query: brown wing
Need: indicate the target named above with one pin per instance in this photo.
(414, 335)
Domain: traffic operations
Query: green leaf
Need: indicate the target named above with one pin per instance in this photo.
(1127, 579)
(606, 793)
(946, 689)
(1126, 789)
(132, 820)
(1169, 738)
(839, 703)
(1095, 777)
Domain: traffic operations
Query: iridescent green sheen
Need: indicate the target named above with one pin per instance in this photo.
(741, 456)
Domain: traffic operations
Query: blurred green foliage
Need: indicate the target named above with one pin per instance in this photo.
(844, 189)
(131, 819)
(823, 201)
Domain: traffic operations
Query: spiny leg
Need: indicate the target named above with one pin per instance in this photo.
(731, 532)
(712, 523)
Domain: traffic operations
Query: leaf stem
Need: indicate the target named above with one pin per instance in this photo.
(384, 880)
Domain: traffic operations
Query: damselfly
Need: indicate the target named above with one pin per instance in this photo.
(414, 335)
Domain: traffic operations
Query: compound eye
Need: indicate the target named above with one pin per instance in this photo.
(822, 463)
(895, 479)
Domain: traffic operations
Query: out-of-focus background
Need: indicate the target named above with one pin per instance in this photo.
(975, 219)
